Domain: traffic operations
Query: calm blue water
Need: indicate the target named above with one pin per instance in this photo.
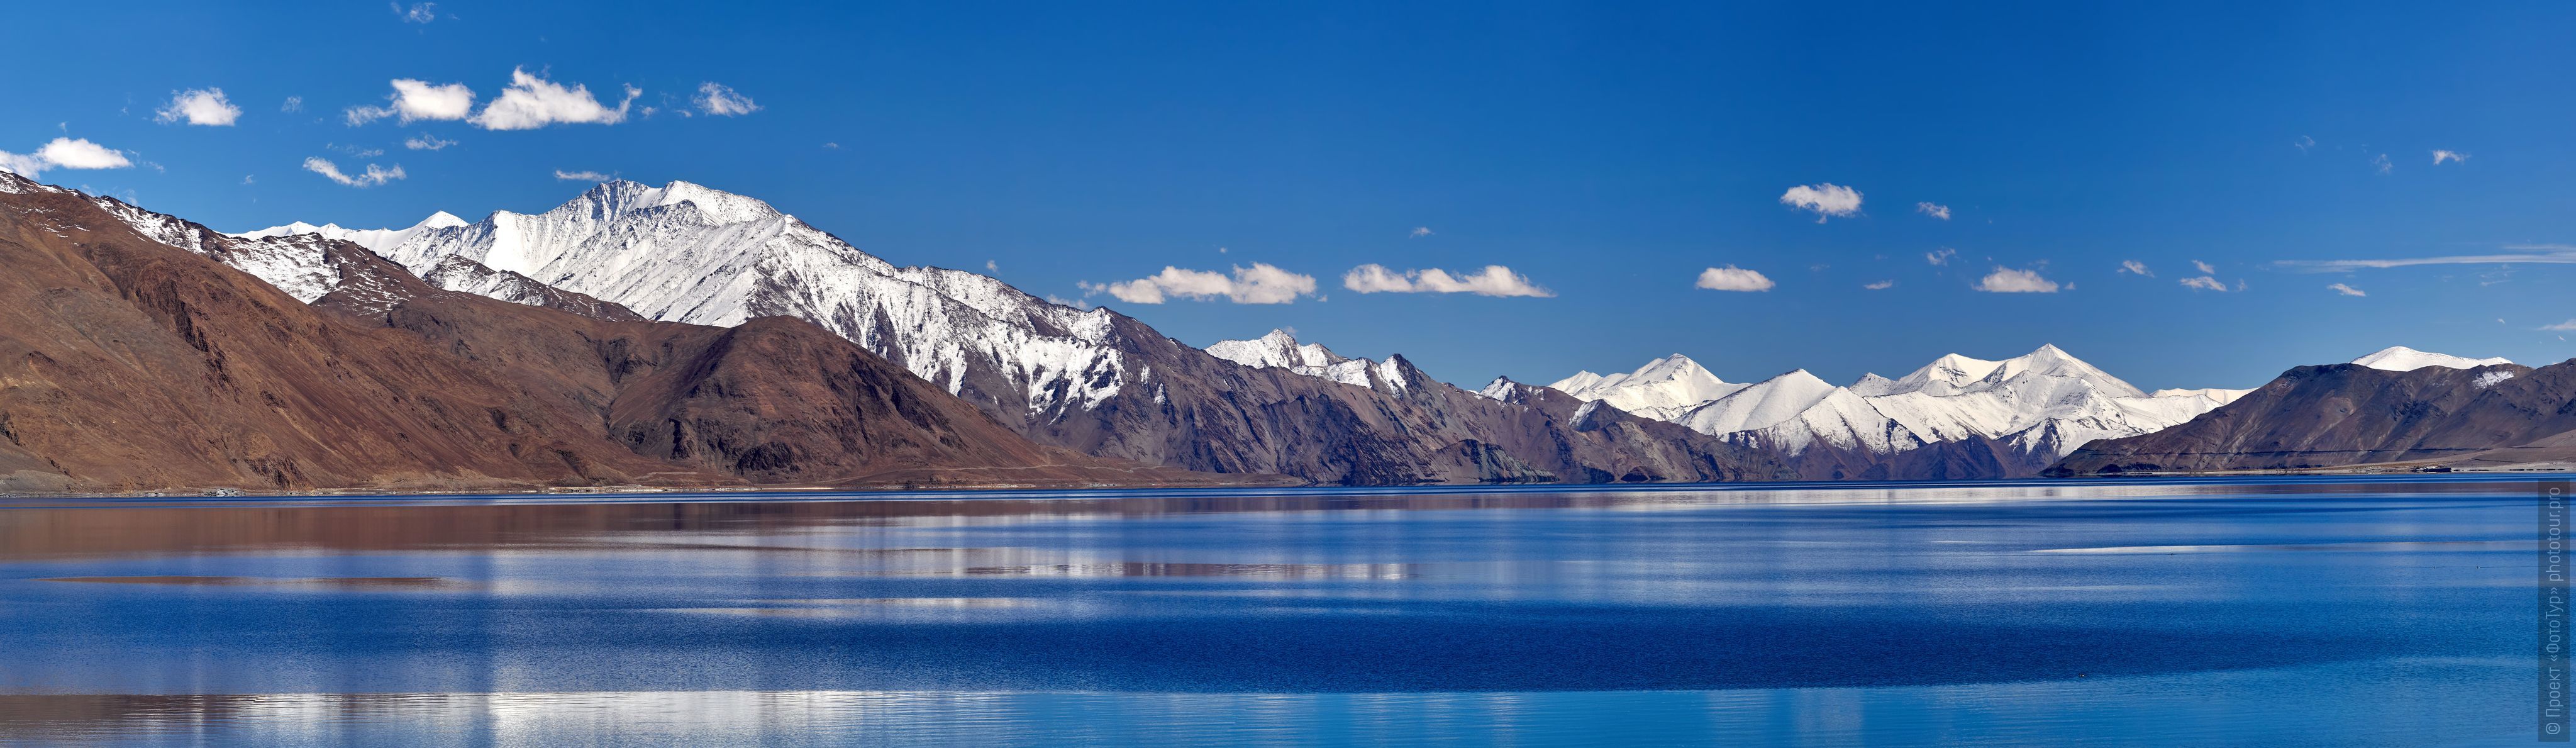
(2250, 612)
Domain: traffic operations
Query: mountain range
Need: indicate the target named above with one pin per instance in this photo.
(685, 336)
(1956, 417)
(1087, 380)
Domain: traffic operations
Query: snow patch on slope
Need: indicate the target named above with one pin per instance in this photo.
(297, 264)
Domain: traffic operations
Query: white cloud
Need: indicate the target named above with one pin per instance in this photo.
(374, 175)
(2009, 280)
(64, 153)
(2567, 326)
(992, 267)
(2205, 268)
(1259, 284)
(1879, 286)
(1732, 278)
(1419, 232)
(532, 102)
(832, 146)
(1494, 280)
(292, 104)
(1936, 211)
(71, 153)
(2345, 290)
(1375, 278)
(427, 142)
(196, 106)
(2304, 143)
(1940, 256)
(417, 13)
(1827, 199)
(2203, 283)
(2381, 164)
(719, 99)
(2546, 254)
(2455, 157)
(24, 165)
(2134, 266)
(415, 100)
(582, 176)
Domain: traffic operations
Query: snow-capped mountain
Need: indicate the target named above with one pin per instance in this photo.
(1279, 349)
(2402, 358)
(1662, 389)
(687, 253)
(1091, 380)
(2033, 409)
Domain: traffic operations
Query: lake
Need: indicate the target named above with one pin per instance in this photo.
(2257, 611)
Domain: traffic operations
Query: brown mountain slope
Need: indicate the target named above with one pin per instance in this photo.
(130, 363)
(2347, 414)
(126, 364)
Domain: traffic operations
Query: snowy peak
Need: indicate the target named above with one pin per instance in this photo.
(379, 241)
(1673, 368)
(2402, 358)
(1661, 389)
(1947, 375)
(1871, 385)
(617, 198)
(1581, 380)
(1279, 349)
(1758, 405)
(2053, 369)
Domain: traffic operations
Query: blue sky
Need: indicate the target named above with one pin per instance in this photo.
(1607, 155)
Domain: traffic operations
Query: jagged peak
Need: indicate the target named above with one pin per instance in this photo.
(1279, 347)
(618, 197)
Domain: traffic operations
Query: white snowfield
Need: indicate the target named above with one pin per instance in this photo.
(2046, 402)
(687, 253)
(1279, 350)
(2402, 358)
